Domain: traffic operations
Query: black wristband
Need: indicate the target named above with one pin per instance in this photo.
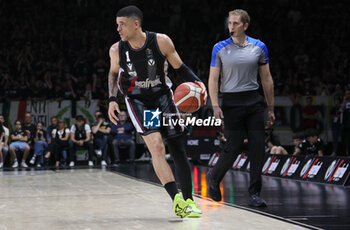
(186, 73)
(113, 98)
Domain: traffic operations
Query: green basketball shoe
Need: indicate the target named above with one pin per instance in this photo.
(181, 206)
(195, 211)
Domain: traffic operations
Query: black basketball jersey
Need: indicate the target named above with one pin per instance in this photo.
(143, 71)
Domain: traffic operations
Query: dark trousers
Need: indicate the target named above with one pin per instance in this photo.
(336, 130)
(117, 143)
(346, 140)
(73, 147)
(240, 122)
(102, 144)
(57, 147)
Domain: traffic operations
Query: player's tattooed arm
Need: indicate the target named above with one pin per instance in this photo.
(114, 70)
(112, 84)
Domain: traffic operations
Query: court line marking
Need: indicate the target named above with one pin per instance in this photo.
(225, 203)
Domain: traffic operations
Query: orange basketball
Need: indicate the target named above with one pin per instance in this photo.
(188, 97)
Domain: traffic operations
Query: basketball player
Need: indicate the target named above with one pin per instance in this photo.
(239, 59)
(141, 60)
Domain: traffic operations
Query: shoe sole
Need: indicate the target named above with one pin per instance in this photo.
(194, 215)
(257, 205)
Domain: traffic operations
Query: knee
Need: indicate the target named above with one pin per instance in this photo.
(114, 142)
(158, 148)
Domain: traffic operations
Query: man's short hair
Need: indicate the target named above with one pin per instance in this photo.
(101, 115)
(79, 118)
(245, 18)
(311, 133)
(299, 135)
(18, 121)
(131, 12)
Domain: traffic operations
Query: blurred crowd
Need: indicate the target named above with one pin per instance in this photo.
(59, 49)
(37, 145)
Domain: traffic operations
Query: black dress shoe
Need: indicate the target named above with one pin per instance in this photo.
(257, 201)
(213, 188)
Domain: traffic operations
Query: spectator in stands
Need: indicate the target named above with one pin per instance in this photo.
(309, 114)
(19, 143)
(338, 92)
(296, 120)
(40, 145)
(101, 131)
(80, 137)
(322, 89)
(30, 128)
(346, 122)
(272, 143)
(297, 141)
(2, 134)
(60, 137)
(312, 145)
(50, 128)
(336, 117)
(4, 140)
(123, 137)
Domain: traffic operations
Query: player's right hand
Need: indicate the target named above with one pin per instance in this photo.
(113, 106)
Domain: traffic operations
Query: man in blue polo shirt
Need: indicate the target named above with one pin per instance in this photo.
(122, 133)
(239, 60)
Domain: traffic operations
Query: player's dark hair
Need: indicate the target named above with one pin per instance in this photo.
(131, 12)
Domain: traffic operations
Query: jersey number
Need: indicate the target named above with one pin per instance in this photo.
(127, 56)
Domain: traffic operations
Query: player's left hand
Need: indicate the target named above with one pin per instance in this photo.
(204, 90)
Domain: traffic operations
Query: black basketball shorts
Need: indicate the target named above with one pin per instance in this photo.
(151, 114)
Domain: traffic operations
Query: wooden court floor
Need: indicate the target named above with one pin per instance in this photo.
(99, 199)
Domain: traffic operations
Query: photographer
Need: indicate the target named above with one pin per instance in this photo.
(312, 145)
(272, 143)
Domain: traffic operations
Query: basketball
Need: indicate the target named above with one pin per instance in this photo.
(188, 97)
